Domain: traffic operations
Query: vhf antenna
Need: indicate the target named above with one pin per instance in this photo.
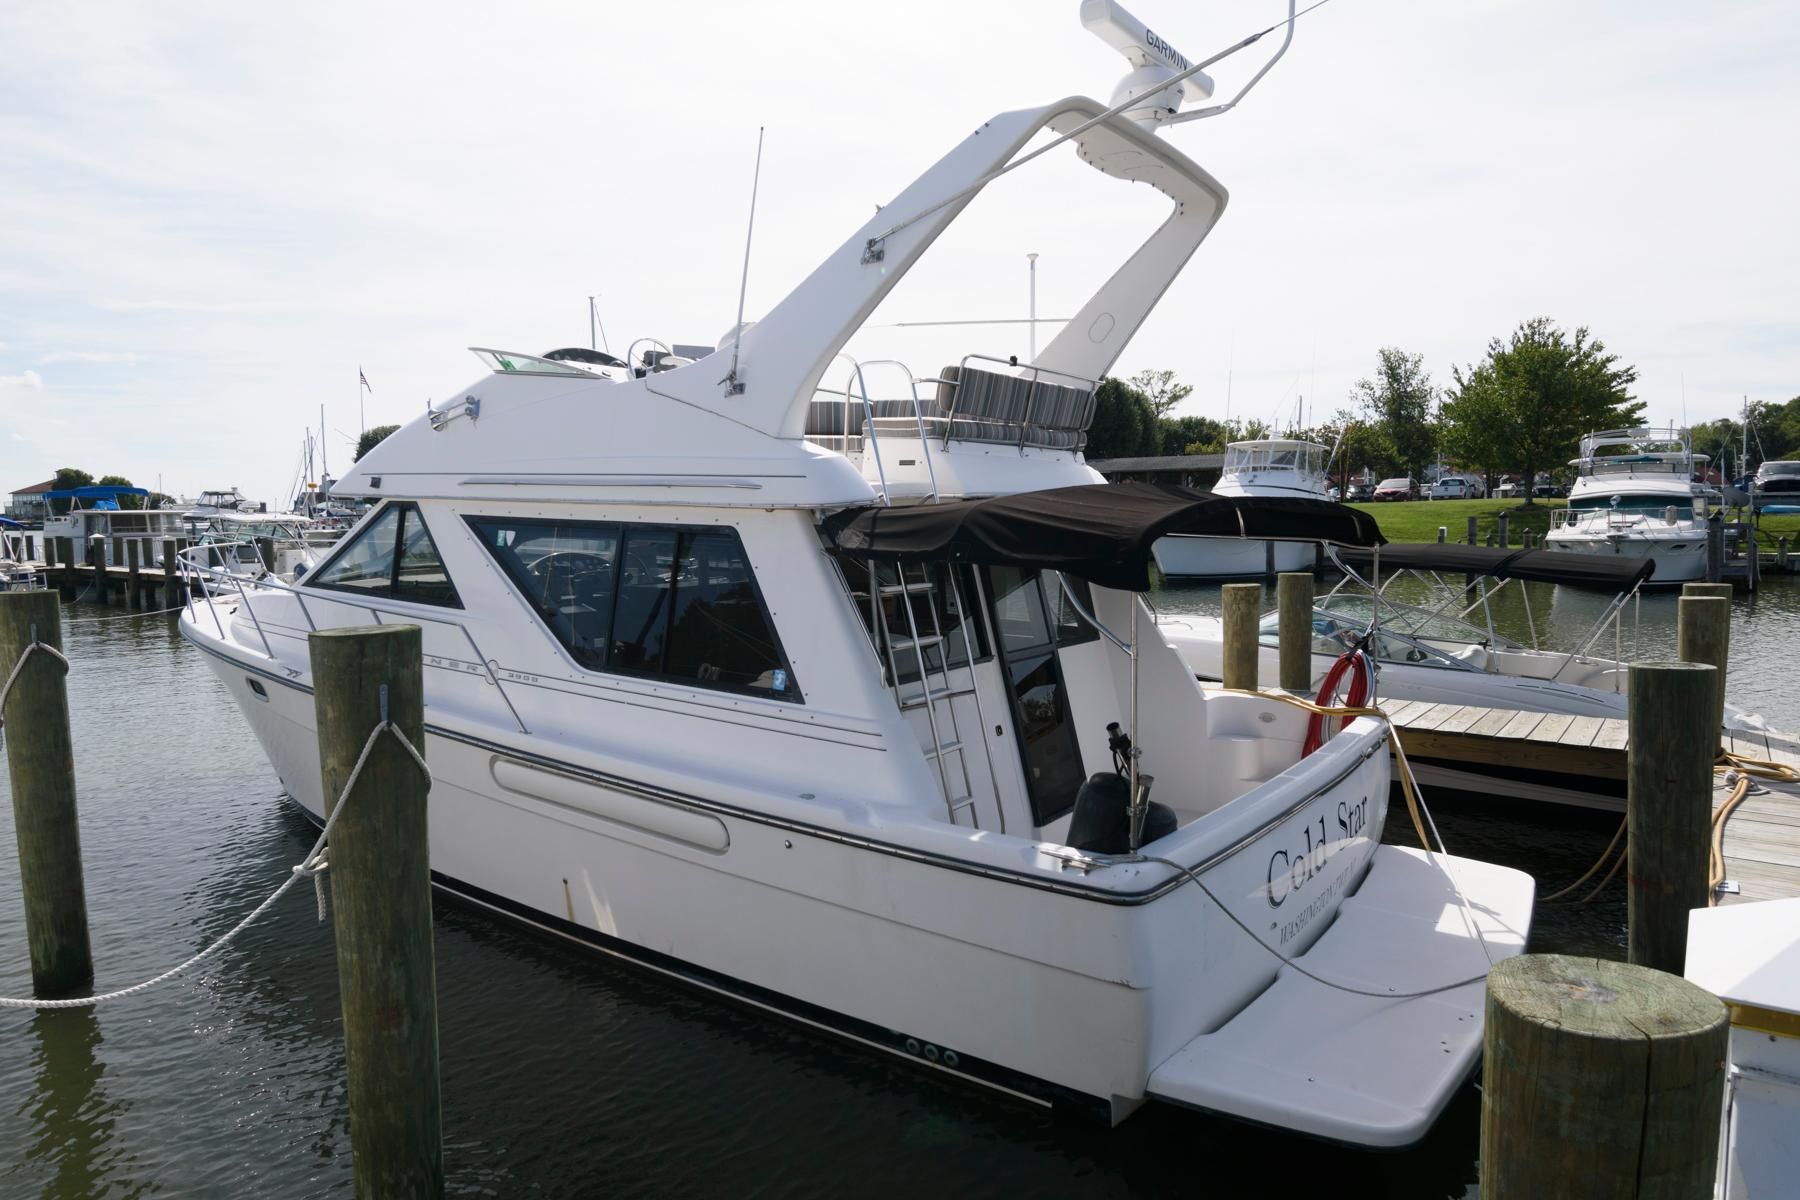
(733, 385)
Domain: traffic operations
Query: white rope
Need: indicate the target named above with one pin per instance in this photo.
(311, 866)
(122, 616)
(52, 651)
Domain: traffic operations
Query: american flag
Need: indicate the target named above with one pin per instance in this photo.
(363, 378)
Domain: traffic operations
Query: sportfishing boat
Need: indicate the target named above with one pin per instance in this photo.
(1436, 652)
(258, 543)
(1266, 467)
(1636, 496)
(217, 500)
(16, 574)
(860, 725)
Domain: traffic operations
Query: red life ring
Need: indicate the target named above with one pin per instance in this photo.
(1355, 661)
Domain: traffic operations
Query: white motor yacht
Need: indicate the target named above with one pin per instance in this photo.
(859, 725)
(1266, 467)
(1636, 496)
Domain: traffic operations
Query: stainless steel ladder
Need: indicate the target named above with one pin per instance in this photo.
(936, 694)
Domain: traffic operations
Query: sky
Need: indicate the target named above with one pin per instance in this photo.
(212, 215)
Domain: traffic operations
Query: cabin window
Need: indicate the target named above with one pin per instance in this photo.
(669, 603)
(393, 557)
(1072, 628)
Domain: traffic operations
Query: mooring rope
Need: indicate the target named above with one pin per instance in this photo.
(35, 647)
(310, 867)
(122, 616)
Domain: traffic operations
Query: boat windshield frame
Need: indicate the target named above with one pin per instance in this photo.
(1295, 457)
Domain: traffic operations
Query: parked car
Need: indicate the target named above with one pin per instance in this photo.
(1359, 492)
(1402, 488)
(1455, 487)
(1549, 491)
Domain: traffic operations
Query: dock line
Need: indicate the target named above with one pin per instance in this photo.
(310, 867)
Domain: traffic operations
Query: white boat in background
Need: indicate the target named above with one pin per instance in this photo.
(834, 722)
(16, 574)
(258, 543)
(1266, 467)
(1636, 496)
(99, 511)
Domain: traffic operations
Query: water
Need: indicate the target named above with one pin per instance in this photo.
(565, 1073)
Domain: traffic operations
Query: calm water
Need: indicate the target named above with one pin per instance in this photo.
(566, 1074)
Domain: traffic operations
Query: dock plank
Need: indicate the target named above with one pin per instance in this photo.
(1434, 716)
(1522, 724)
(1552, 728)
(1581, 731)
(1401, 712)
(1463, 720)
(1613, 735)
(1491, 723)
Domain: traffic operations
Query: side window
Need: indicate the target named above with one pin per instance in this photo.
(392, 556)
(566, 570)
(933, 608)
(679, 604)
(1071, 627)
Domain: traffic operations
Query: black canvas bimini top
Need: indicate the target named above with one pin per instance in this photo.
(1100, 532)
(1613, 572)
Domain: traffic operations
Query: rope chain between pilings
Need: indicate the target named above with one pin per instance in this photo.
(309, 867)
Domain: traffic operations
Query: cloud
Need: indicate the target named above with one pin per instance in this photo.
(89, 356)
(30, 379)
(192, 306)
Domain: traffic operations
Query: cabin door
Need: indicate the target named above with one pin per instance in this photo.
(1020, 604)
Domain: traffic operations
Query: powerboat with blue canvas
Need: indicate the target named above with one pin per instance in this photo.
(826, 684)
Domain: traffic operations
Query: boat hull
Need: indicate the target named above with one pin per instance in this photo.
(1037, 983)
(1228, 558)
(1679, 556)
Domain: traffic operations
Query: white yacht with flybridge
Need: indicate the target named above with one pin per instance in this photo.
(1637, 495)
(1264, 467)
(826, 684)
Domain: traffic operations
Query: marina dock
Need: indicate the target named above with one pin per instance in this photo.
(1582, 761)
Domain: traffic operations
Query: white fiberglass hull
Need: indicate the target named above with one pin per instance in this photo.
(973, 953)
(1679, 554)
(1228, 558)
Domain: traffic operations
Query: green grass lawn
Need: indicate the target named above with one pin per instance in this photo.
(1418, 520)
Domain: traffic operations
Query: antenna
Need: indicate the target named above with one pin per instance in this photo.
(733, 385)
(593, 323)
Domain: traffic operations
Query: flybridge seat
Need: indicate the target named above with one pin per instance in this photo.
(1033, 407)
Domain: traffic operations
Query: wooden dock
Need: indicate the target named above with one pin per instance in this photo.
(1557, 758)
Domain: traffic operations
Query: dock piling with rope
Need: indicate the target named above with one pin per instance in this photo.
(40, 756)
(364, 679)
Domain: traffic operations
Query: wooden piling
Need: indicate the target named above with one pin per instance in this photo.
(49, 553)
(68, 558)
(1529, 540)
(134, 596)
(381, 892)
(97, 561)
(1242, 618)
(41, 758)
(171, 583)
(1472, 531)
(1600, 1079)
(1721, 590)
(1294, 599)
(1781, 552)
(1715, 548)
(1703, 635)
(1501, 530)
(1269, 559)
(1668, 805)
(1443, 532)
(265, 550)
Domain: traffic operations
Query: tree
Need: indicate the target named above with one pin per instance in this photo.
(1175, 435)
(1397, 401)
(66, 479)
(371, 438)
(1536, 393)
(1124, 425)
(121, 481)
(1161, 389)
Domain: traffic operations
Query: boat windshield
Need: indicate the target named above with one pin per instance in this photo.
(1651, 503)
(1334, 633)
(1409, 619)
(1305, 458)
